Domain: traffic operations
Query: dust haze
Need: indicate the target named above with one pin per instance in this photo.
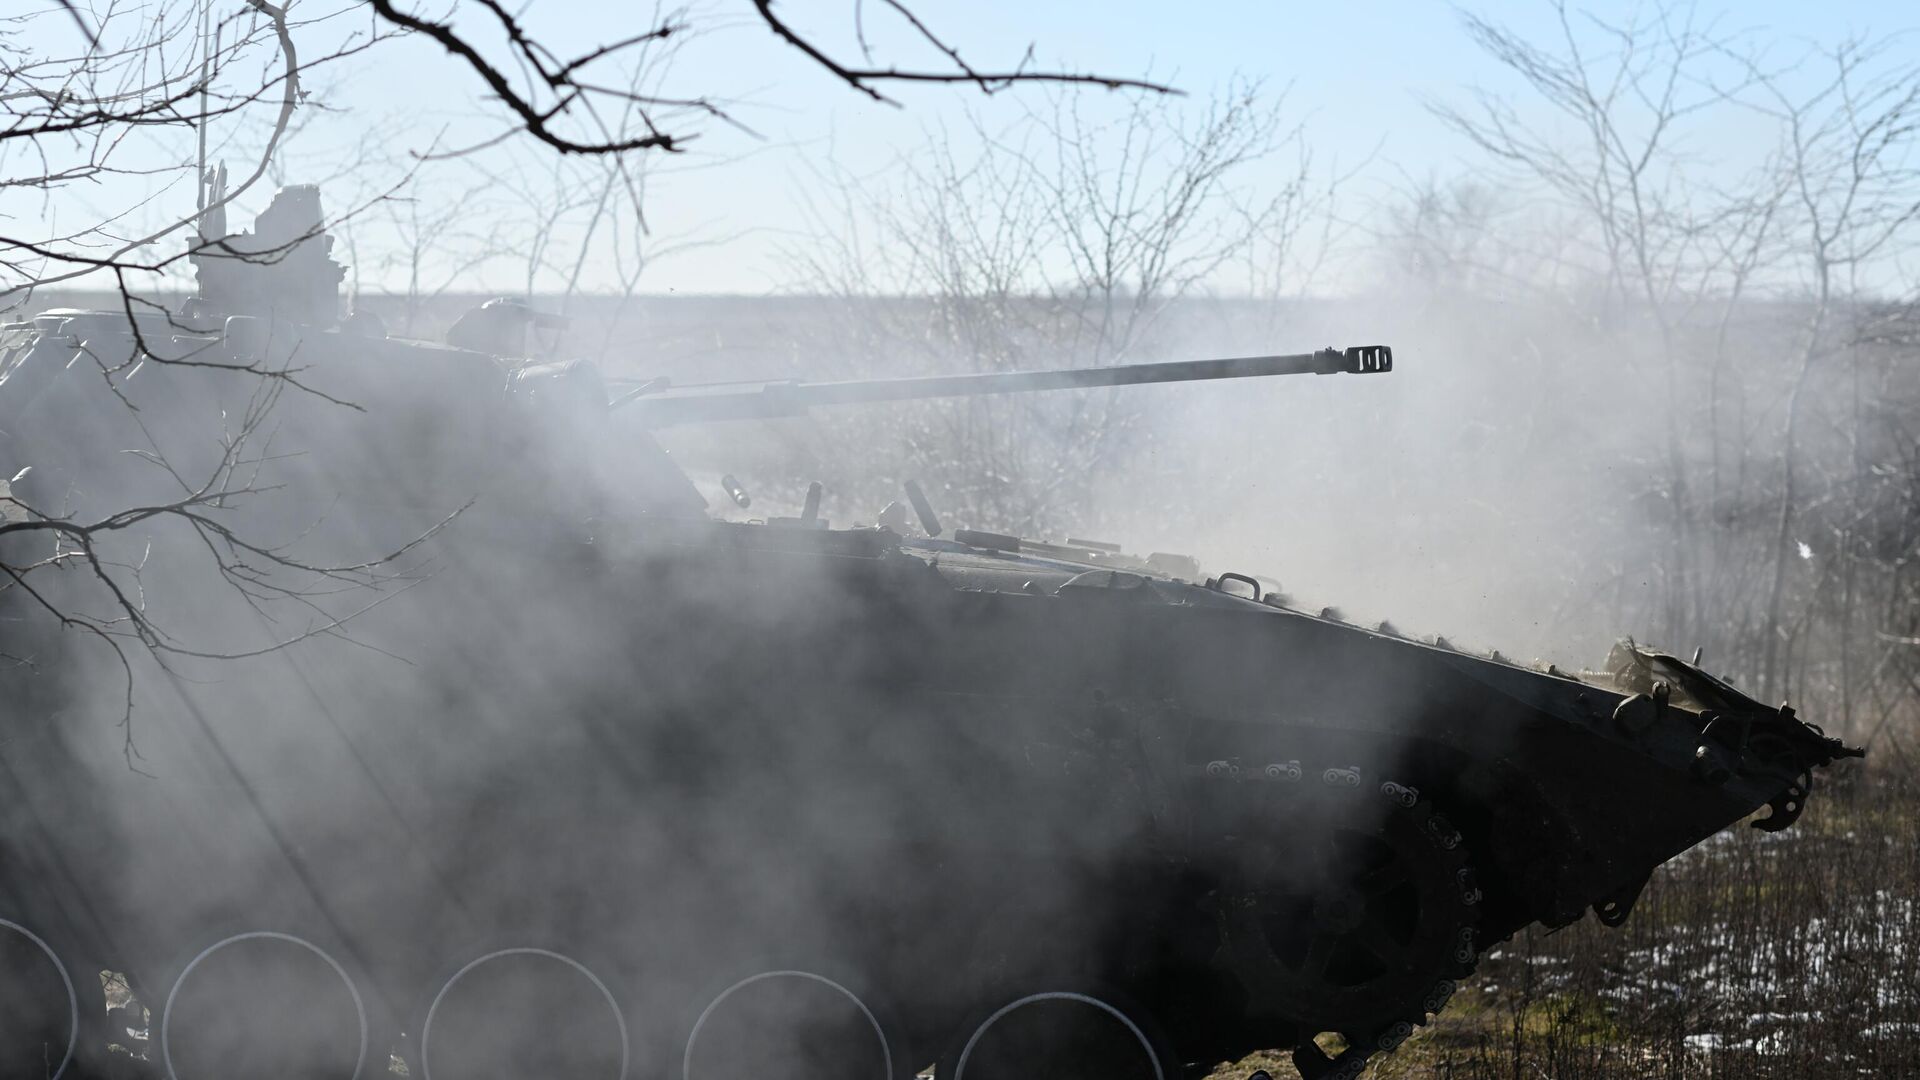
(363, 692)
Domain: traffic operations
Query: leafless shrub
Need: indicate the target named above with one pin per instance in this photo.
(1062, 241)
(1743, 299)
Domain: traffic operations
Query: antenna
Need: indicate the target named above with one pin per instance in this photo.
(200, 133)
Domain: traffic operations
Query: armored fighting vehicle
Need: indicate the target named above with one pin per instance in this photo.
(756, 797)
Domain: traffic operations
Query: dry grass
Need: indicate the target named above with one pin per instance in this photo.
(1755, 955)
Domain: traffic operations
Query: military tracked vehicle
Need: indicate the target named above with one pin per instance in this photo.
(769, 796)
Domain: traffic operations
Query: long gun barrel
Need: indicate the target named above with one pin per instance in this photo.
(660, 405)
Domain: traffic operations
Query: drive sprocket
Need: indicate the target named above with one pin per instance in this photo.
(1353, 910)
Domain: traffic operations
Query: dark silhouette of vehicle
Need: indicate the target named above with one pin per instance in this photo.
(841, 801)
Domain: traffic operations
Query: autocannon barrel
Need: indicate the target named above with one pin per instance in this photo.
(660, 405)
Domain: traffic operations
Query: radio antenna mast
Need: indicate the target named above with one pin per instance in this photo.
(200, 154)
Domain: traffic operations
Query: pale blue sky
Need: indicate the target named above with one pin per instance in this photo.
(1358, 71)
